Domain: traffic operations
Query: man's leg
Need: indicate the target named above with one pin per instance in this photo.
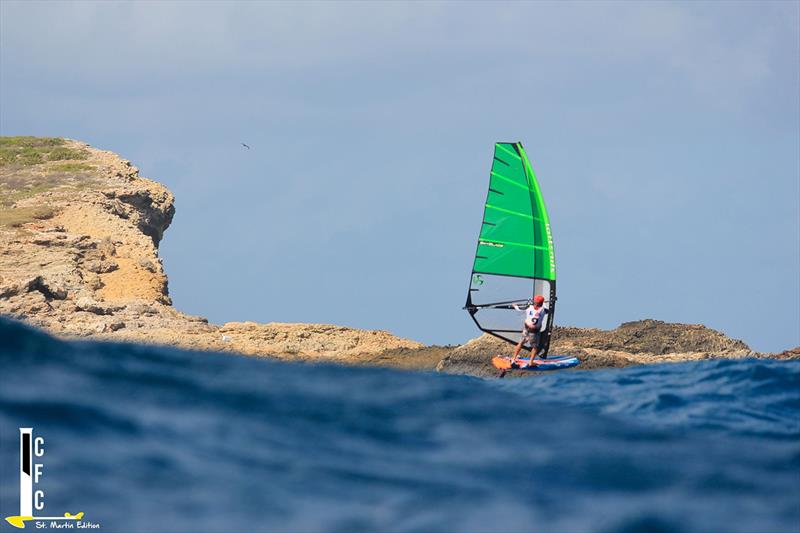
(517, 350)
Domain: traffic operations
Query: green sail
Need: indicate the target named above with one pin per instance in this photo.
(515, 238)
(514, 261)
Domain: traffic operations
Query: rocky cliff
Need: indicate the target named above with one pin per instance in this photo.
(79, 235)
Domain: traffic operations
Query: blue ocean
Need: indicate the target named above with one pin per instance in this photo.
(158, 439)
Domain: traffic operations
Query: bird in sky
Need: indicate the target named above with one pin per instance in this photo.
(245, 146)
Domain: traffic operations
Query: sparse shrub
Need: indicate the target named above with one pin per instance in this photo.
(28, 151)
(147, 264)
(107, 248)
(70, 167)
(30, 142)
(30, 156)
(61, 153)
(15, 218)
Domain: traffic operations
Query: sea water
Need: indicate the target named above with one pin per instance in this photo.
(158, 439)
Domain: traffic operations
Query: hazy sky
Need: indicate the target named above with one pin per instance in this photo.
(666, 139)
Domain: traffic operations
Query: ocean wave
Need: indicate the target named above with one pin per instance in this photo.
(157, 439)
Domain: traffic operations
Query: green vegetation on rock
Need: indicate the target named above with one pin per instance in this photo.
(28, 151)
(14, 218)
(70, 167)
(30, 142)
(32, 169)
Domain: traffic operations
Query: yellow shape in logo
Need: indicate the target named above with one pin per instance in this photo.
(19, 521)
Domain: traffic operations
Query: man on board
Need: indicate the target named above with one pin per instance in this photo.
(535, 320)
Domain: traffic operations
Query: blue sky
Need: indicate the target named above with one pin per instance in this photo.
(666, 139)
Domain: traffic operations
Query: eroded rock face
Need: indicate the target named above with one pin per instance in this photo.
(303, 340)
(793, 354)
(650, 336)
(90, 244)
(79, 239)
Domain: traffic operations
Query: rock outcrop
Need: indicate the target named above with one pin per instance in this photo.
(79, 235)
(632, 343)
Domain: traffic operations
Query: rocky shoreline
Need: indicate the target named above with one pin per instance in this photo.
(79, 235)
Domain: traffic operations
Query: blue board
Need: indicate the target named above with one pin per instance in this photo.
(553, 362)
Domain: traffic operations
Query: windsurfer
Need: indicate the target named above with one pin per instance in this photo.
(535, 320)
